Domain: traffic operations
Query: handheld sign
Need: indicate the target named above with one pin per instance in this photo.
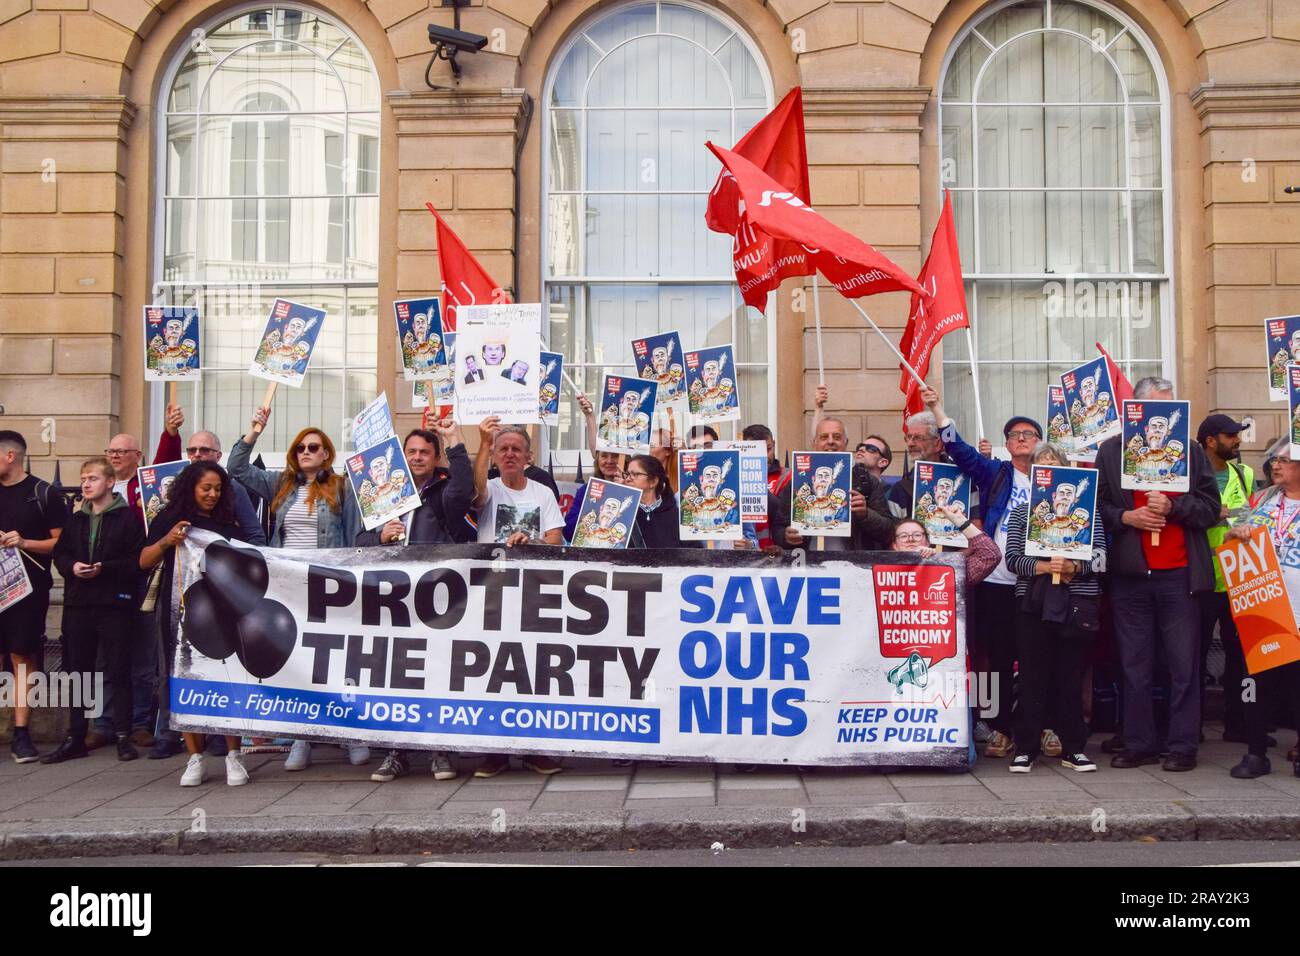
(608, 515)
(381, 480)
(171, 344)
(419, 338)
(287, 343)
(1062, 509)
(373, 424)
(1260, 603)
(711, 385)
(156, 487)
(626, 409)
(1154, 445)
(819, 493)
(753, 477)
(936, 485)
(498, 350)
(710, 495)
(659, 358)
(1089, 397)
(14, 582)
(1058, 420)
(1293, 407)
(548, 396)
(1282, 344)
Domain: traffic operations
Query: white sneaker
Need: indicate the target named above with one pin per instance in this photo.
(358, 754)
(299, 756)
(236, 772)
(441, 767)
(195, 771)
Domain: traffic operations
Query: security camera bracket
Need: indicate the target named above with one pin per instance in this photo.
(445, 51)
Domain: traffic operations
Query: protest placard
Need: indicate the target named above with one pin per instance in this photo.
(608, 515)
(711, 385)
(623, 421)
(658, 358)
(709, 480)
(1062, 510)
(1154, 440)
(171, 344)
(1259, 600)
(548, 397)
(1090, 398)
(498, 350)
(753, 477)
(287, 343)
(936, 486)
(1282, 346)
(156, 486)
(373, 424)
(820, 493)
(419, 338)
(381, 480)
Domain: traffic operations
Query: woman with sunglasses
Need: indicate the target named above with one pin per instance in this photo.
(311, 507)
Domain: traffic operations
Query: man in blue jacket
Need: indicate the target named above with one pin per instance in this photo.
(1003, 486)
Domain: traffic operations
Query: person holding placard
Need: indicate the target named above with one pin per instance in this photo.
(657, 518)
(1058, 613)
(871, 527)
(981, 554)
(1159, 559)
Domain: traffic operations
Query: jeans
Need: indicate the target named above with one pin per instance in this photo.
(1053, 658)
(142, 639)
(994, 609)
(1216, 609)
(88, 633)
(1158, 610)
(165, 648)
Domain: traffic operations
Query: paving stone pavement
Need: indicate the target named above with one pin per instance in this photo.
(95, 804)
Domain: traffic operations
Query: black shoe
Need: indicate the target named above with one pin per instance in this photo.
(1251, 766)
(21, 748)
(216, 746)
(68, 750)
(1115, 745)
(125, 749)
(164, 748)
(1177, 763)
(1127, 761)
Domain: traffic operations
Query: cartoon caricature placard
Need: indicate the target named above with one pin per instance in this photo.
(419, 338)
(819, 493)
(1155, 442)
(1058, 419)
(156, 486)
(711, 385)
(935, 486)
(381, 480)
(287, 343)
(171, 344)
(1293, 404)
(608, 515)
(627, 407)
(1090, 401)
(710, 495)
(1062, 510)
(659, 358)
(498, 350)
(548, 397)
(1282, 342)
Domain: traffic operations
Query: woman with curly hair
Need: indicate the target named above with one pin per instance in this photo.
(311, 507)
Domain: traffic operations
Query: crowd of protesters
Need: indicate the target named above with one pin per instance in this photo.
(1036, 626)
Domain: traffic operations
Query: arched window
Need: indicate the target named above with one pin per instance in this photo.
(1053, 121)
(630, 100)
(270, 170)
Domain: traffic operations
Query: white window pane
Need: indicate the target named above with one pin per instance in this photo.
(959, 81)
(309, 29)
(1145, 154)
(1135, 67)
(653, 236)
(180, 156)
(565, 149)
(1010, 146)
(564, 227)
(1085, 145)
(278, 240)
(1075, 72)
(1012, 232)
(632, 22)
(747, 84)
(1087, 232)
(963, 216)
(693, 24)
(571, 78)
(230, 397)
(955, 132)
(1095, 25)
(363, 239)
(1016, 73)
(1148, 232)
(265, 73)
(1012, 21)
(179, 258)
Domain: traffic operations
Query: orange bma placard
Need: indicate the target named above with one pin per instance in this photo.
(1261, 606)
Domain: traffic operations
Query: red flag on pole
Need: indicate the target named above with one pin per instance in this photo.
(768, 213)
(1118, 382)
(464, 280)
(928, 322)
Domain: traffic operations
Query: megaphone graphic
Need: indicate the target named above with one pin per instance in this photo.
(914, 670)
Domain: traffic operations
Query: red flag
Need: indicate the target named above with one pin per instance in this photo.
(464, 280)
(928, 322)
(770, 213)
(1119, 384)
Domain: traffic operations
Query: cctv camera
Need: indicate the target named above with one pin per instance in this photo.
(457, 41)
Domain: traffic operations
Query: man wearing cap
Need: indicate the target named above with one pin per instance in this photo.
(1220, 436)
(1003, 486)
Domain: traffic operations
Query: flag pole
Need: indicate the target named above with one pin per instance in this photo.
(817, 318)
(975, 381)
(892, 347)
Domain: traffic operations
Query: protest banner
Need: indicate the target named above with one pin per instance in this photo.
(14, 582)
(373, 424)
(627, 408)
(498, 350)
(548, 395)
(419, 337)
(1058, 419)
(1062, 510)
(381, 480)
(845, 659)
(711, 388)
(753, 477)
(659, 358)
(608, 515)
(820, 493)
(1259, 600)
(1154, 443)
(286, 346)
(1293, 408)
(156, 485)
(1282, 346)
(709, 480)
(935, 486)
(171, 344)
(1090, 397)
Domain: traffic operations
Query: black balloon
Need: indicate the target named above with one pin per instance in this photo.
(240, 576)
(267, 636)
(207, 623)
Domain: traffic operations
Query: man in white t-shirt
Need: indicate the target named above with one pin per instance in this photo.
(512, 508)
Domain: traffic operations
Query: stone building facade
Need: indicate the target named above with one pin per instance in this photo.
(568, 156)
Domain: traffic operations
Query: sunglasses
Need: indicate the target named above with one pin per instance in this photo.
(201, 450)
(873, 449)
(310, 447)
